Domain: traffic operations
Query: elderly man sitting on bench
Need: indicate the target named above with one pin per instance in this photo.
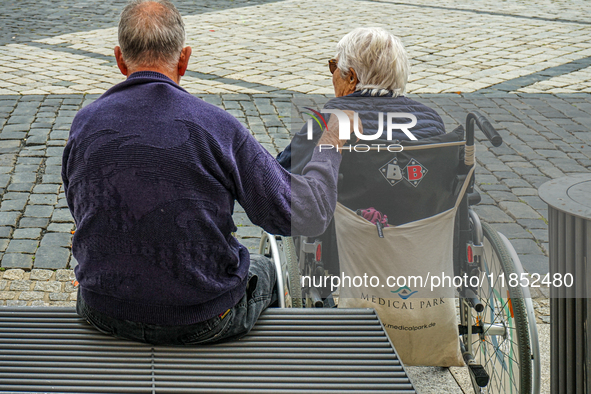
(151, 174)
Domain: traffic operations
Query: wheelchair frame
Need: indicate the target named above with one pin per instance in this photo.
(498, 333)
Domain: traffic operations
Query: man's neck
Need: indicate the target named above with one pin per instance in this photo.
(174, 76)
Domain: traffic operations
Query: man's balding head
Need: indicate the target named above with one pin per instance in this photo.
(151, 34)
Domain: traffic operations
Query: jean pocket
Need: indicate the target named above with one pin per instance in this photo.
(208, 333)
(99, 325)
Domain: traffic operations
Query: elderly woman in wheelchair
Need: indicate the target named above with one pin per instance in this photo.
(405, 240)
(369, 75)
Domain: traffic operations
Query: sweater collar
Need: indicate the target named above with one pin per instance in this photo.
(150, 74)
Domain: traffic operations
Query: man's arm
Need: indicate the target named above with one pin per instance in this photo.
(289, 204)
(283, 203)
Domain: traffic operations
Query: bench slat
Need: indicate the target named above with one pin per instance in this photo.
(289, 351)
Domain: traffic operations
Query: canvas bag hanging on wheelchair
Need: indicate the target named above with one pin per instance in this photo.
(403, 258)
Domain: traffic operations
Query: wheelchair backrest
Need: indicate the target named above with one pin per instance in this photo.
(420, 181)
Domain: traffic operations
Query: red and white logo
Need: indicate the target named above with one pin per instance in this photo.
(414, 172)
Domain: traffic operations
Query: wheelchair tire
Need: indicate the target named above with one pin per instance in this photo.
(283, 253)
(291, 272)
(506, 354)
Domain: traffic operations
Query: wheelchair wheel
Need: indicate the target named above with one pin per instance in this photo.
(282, 251)
(502, 345)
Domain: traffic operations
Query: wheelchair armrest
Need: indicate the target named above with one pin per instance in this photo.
(474, 198)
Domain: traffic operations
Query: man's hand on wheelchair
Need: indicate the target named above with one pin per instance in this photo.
(331, 134)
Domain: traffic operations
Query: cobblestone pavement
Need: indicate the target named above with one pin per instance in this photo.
(454, 48)
(495, 57)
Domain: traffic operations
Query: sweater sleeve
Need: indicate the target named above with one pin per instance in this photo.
(283, 203)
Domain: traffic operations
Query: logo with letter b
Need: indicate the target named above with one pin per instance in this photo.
(392, 172)
(414, 172)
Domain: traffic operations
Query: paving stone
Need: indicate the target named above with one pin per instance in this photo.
(22, 246)
(53, 170)
(526, 246)
(39, 211)
(519, 210)
(52, 257)
(52, 178)
(540, 235)
(43, 199)
(495, 187)
(24, 177)
(248, 232)
(46, 189)
(58, 296)
(14, 274)
(70, 288)
(33, 222)
(64, 275)
(512, 230)
(535, 263)
(56, 239)
(26, 168)
(9, 218)
(20, 285)
(15, 303)
(15, 196)
(39, 274)
(55, 151)
(13, 205)
(492, 214)
(17, 260)
(5, 232)
(48, 287)
(31, 295)
(8, 295)
(21, 187)
(536, 181)
(533, 223)
(62, 216)
(502, 196)
(27, 233)
(4, 244)
(73, 262)
(60, 227)
(524, 191)
(534, 201)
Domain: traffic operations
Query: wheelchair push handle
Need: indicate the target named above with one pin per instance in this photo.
(484, 125)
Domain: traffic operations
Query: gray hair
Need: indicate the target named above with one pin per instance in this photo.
(151, 32)
(379, 59)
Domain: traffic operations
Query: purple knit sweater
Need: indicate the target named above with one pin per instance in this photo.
(151, 174)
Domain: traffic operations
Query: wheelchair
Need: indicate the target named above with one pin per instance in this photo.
(497, 330)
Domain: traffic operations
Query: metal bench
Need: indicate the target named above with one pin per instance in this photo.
(308, 351)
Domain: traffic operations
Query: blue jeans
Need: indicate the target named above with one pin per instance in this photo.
(230, 325)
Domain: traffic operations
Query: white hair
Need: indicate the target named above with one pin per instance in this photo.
(379, 59)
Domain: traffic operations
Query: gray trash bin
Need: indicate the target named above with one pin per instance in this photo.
(569, 231)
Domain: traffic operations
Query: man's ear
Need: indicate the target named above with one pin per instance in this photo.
(120, 62)
(184, 60)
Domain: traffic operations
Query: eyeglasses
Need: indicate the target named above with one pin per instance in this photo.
(332, 65)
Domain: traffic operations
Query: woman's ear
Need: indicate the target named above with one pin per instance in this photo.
(351, 80)
(353, 76)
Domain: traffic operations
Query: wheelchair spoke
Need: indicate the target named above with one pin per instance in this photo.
(504, 357)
